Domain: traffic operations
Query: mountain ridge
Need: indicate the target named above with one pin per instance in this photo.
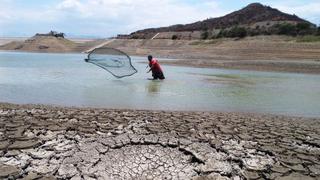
(251, 15)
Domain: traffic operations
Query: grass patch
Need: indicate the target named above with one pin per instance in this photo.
(204, 42)
(194, 43)
(308, 38)
(228, 76)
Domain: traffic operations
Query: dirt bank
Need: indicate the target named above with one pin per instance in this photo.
(48, 44)
(263, 53)
(54, 142)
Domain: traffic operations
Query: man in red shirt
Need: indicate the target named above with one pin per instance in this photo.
(155, 68)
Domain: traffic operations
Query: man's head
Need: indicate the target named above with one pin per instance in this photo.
(150, 57)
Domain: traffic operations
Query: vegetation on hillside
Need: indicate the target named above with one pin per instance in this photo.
(309, 38)
(255, 19)
(299, 29)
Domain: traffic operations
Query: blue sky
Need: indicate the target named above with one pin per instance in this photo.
(105, 18)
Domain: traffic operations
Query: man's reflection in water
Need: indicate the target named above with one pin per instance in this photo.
(153, 87)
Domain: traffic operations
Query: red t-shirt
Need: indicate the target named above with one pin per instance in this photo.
(155, 65)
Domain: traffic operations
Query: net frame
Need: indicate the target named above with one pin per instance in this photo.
(119, 52)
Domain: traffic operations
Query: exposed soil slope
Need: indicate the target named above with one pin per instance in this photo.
(41, 44)
(50, 44)
(267, 53)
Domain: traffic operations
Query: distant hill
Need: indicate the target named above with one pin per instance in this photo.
(51, 42)
(254, 16)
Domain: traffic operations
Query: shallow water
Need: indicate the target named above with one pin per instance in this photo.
(65, 79)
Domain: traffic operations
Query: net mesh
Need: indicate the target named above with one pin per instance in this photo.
(114, 61)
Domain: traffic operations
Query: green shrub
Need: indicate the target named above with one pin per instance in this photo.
(286, 29)
(236, 31)
(221, 34)
(305, 29)
(308, 38)
(174, 37)
(303, 26)
(205, 35)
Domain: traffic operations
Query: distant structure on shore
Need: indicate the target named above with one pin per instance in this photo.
(255, 19)
(52, 34)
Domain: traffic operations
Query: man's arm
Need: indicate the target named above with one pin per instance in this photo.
(150, 68)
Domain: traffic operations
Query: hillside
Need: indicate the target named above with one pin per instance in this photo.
(49, 43)
(255, 16)
(41, 44)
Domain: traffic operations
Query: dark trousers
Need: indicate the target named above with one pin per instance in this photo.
(158, 75)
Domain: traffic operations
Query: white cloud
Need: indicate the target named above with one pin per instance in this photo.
(135, 14)
(310, 10)
(111, 17)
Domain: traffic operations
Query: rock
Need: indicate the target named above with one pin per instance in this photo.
(41, 154)
(12, 153)
(212, 176)
(153, 139)
(86, 177)
(251, 175)
(213, 165)
(280, 169)
(48, 177)
(257, 162)
(312, 159)
(76, 177)
(11, 161)
(315, 169)
(295, 176)
(24, 144)
(298, 167)
(275, 175)
(42, 167)
(31, 176)
(6, 170)
(4, 144)
(102, 149)
(67, 170)
(72, 160)
(291, 160)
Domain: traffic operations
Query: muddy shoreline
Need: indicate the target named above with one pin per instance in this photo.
(261, 53)
(82, 143)
(308, 67)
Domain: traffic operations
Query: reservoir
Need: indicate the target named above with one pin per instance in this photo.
(66, 80)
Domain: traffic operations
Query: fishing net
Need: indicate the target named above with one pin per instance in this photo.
(112, 60)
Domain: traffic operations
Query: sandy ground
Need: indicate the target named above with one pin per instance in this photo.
(262, 53)
(5, 40)
(54, 142)
(48, 44)
(307, 66)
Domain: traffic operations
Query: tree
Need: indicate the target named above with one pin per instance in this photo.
(236, 31)
(205, 34)
(286, 29)
(304, 28)
(221, 34)
(174, 37)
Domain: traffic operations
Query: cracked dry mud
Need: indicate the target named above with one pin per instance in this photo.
(42, 142)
